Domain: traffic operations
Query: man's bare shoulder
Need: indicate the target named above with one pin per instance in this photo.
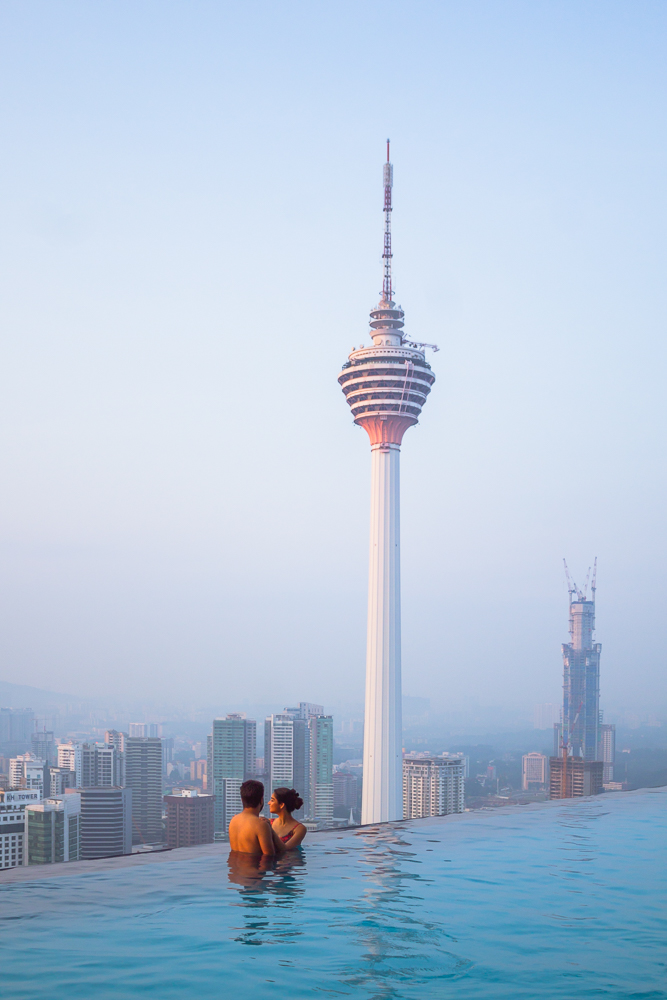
(247, 820)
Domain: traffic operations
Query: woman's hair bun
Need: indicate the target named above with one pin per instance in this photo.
(288, 797)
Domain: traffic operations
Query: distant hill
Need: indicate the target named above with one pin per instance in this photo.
(24, 696)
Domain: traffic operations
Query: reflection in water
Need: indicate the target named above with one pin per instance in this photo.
(266, 886)
(402, 949)
(574, 859)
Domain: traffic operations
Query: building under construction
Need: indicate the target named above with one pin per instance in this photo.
(581, 676)
(582, 777)
(577, 759)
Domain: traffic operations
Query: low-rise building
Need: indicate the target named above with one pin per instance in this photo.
(52, 830)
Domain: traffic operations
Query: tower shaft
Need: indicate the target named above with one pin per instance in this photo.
(383, 779)
(581, 683)
(386, 385)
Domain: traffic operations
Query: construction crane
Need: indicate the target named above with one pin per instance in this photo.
(571, 585)
(588, 576)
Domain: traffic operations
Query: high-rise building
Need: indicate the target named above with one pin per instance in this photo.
(582, 777)
(115, 739)
(607, 752)
(143, 774)
(432, 785)
(298, 753)
(144, 729)
(386, 385)
(198, 770)
(102, 766)
(70, 758)
(302, 755)
(27, 771)
(533, 771)
(106, 821)
(58, 781)
(167, 752)
(321, 797)
(190, 818)
(232, 748)
(43, 745)
(16, 729)
(464, 759)
(12, 823)
(52, 830)
(94, 764)
(345, 791)
(279, 752)
(305, 710)
(581, 677)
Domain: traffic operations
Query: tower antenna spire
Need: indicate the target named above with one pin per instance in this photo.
(388, 180)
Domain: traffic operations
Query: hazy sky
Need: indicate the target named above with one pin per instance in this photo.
(190, 202)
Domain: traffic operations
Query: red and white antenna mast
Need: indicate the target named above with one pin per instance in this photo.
(388, 178)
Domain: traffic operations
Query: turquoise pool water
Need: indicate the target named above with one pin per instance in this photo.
(566, 901)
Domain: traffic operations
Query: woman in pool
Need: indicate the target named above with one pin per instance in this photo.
(288, 830)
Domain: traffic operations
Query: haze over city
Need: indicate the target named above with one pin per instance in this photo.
(191, 204)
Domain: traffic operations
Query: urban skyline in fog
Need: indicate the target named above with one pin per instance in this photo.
(192, 247)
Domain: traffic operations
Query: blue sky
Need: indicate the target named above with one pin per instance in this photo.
(190, 197)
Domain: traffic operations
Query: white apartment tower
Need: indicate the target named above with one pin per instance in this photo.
(298, 753)
(432, 786)
(385, 385)
(26, 771)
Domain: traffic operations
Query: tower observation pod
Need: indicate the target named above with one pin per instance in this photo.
(385, 385)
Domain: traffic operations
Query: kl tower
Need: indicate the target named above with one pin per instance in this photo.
(386, 386)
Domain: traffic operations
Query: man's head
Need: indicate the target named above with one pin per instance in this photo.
(252, 794)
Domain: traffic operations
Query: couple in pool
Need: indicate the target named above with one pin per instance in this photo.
(250, 833)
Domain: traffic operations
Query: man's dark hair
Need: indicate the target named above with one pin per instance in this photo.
(252, 793)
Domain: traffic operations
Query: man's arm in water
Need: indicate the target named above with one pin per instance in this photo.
(265, 837)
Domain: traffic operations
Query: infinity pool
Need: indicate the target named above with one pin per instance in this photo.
(564, 901)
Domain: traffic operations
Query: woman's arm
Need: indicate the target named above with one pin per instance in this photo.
(280, 848)
(297, 837)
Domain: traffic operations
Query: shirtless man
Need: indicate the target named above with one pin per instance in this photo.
(250, 833)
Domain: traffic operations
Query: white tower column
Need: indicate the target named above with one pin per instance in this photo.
(383, 752)
(386, 386)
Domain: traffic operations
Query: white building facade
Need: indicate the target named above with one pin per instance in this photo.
(533, 771)
(12, 823)
(607, 752)
(27, 771)
(432, 785)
